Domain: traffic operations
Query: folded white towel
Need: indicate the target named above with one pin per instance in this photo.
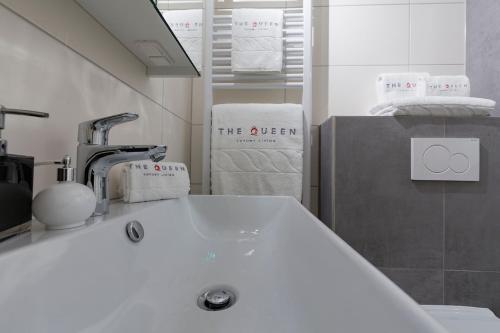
(257, 40)
(188, 28)
(148, 181)
(448, 85)
(392, 86)
(440, 106)
(257, 149)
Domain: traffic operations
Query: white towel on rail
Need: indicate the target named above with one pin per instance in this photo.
(440, 106)
(257, 149)
(257, 40)
(188, 28)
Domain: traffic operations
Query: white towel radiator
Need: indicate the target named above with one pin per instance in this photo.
(297, 73)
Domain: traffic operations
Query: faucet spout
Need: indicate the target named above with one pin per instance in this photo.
(101, 166)
(97, 174)
(95, 157)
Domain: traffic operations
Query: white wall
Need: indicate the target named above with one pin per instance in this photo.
(368, 37)
(77, 71)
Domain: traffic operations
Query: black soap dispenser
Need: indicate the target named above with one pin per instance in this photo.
(16, 182)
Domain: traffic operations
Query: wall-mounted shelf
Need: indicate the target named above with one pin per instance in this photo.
(141, 28)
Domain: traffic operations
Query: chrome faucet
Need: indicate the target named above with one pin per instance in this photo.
(95, 157)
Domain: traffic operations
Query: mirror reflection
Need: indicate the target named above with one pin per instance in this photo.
(186, 21)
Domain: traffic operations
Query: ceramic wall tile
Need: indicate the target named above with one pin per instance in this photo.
(369, 35)
(70, 24)
(196, 153)
(177, 97)
(437, 34)
(353, 88)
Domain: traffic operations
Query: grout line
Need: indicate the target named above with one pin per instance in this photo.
(162, 115)
(444, 226)
(386, 65)
(444, 238)
(409, 269)
(471, 271)
(397, 4)
(372, 5)
(409, 37)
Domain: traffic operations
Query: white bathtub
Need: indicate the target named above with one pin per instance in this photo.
(290, 273)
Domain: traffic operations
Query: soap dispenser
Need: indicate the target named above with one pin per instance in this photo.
(66, 204)
(16, 182)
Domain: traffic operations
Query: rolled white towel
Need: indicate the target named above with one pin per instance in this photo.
(448, 85)
(439, 106)
(148, 181)
(392, 86)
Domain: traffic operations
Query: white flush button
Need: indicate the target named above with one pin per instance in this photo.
(436, 158)
(459, 163)
(454, 159)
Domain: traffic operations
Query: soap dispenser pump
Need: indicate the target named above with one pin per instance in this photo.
(66, 204)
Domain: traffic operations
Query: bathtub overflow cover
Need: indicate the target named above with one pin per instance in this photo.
(135, 231)
(216, 299)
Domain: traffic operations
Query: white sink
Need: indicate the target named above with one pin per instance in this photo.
(289, 272)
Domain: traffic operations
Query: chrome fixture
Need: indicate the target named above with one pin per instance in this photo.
(216, 299)
(135, 231)
(4, 111)
(95, 157)
(64, 174)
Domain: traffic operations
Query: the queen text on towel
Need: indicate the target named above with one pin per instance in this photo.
(147, 181)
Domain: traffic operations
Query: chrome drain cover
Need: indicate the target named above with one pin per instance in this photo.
(217, 299)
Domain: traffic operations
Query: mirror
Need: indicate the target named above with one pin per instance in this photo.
(141, 27)
(187, 24)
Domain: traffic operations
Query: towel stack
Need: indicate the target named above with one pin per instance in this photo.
(419, 94)
(148, 181)
(257, 40)
(188, 28)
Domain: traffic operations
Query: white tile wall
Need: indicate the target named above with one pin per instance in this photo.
(353, 88)
(71, 25)
(368, 37)
(39, 72)
(437, 34)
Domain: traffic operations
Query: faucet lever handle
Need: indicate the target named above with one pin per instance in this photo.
(96, 131)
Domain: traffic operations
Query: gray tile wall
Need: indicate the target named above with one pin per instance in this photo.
(483, 48)
(439, 241)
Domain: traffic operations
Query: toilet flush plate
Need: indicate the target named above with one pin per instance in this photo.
(451, 159)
